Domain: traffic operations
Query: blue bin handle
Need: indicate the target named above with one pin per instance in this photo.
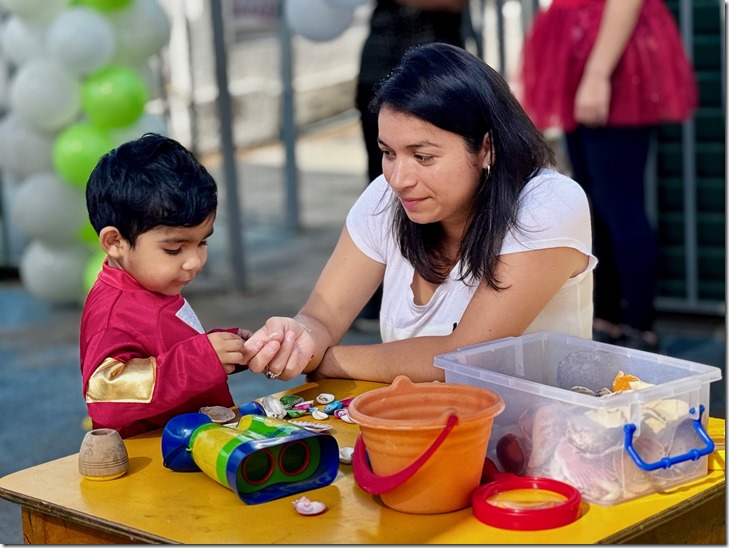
(667, 462)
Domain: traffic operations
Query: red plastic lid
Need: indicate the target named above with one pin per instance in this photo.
(526, 503)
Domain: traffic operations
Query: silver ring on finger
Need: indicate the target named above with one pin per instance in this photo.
(271, 375)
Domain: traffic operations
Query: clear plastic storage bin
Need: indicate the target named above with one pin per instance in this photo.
(612, 448)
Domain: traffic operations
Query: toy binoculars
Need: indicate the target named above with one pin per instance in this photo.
(261, 459)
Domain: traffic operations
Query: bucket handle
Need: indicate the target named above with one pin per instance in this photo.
(376, 485)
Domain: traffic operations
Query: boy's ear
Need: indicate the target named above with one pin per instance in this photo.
(111, 241)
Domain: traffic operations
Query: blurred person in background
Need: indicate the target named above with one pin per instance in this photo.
(395, 26)
(607, 72)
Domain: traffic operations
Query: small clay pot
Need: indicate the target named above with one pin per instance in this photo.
(103, 455)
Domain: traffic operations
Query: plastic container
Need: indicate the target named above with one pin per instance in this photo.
(613, 448)
(425, 442)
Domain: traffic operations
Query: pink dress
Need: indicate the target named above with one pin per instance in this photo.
(652, 83)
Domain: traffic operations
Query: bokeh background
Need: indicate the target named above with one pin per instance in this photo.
(262, 91)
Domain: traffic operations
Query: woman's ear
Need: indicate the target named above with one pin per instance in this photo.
(488, 157)
(111, 242)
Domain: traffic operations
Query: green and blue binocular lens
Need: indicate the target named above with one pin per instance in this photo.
(261, 459)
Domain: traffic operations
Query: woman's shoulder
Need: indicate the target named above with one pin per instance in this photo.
(549, 184)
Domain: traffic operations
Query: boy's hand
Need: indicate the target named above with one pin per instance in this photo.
(229, 348)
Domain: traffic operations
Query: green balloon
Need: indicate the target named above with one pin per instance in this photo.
(92, 269)
(114, 96)
(87, 235)
(104, 5)
(77, 149)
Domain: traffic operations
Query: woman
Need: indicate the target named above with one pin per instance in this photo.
(472, 236)
(607, 72)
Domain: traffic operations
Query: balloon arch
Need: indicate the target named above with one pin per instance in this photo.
(79, 89)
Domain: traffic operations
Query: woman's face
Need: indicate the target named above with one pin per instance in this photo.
(431, 170)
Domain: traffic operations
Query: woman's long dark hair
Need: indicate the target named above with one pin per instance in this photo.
(456, 91)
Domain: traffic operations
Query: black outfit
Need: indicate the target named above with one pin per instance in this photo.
(394, 29)
(609, 163)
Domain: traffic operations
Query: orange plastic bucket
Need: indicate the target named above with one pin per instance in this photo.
(422, 445)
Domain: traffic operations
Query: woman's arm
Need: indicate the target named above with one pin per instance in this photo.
(532, 277)
(347, 281)
(592, 99)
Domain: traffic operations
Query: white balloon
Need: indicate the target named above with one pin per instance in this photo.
(82, 39)
(54, 273)
(37, 11)
(46, 208)
(349, 4)
(45, 94)
(317, 20)
(21, 40)
(142, 29)
(147, 123)
(24, 149)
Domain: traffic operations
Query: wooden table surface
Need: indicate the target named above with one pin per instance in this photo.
(151, 503)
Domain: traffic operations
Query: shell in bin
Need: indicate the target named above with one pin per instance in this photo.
(612, 449)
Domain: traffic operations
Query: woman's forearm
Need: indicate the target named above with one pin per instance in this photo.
(616, 26)
(383, 362)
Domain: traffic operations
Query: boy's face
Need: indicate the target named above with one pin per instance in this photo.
(166, 259)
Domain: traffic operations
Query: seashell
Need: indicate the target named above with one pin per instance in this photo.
(582, 390)
(510, 454)
(289, 401)
(345, 455)
(584, 471)
(591, 368)
(307, 507)
(330, 408)
(603, 392)
(346, 418)
(218, 414)
(343, 414)
(593, 436)
(634, 479)
(304, 405)
(273, 407)
(548, 428)
(622, 381)
(319, 415)
(295, 413)
(313, 426)
(325, 398)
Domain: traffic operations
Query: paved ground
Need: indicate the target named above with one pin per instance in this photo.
(41, 409)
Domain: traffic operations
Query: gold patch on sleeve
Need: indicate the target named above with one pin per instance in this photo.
(116, 381)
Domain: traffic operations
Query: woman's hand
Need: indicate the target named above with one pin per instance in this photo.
(592, 100)
(281, 349)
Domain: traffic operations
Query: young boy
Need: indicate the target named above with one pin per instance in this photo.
(145, 357)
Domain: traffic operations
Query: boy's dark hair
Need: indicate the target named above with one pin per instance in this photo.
(146, 183)
(456, 91)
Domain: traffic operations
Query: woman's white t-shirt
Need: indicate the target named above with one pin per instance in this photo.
(553, 212)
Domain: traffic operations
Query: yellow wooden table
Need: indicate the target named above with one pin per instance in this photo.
(151, 504)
